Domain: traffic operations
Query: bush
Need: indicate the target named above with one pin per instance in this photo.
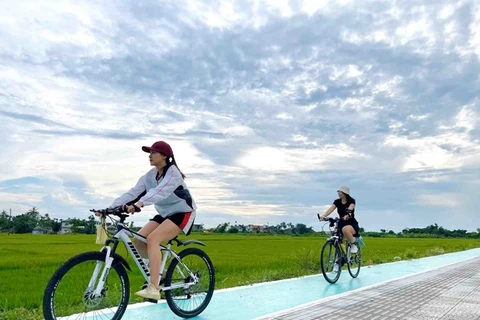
(410, 253)
(435, 251)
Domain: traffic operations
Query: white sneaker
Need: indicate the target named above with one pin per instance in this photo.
(353, 248)
(150, 292)
(335, 268)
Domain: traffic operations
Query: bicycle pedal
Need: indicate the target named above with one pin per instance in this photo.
(150, 300)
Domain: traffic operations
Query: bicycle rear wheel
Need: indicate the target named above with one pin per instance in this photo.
(189, 300)
(328, 258)
(354, 263)
(69, 293)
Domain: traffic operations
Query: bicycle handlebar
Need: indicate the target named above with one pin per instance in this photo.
(331, 220)
(117, 211)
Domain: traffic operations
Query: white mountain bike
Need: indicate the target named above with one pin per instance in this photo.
(95, 285)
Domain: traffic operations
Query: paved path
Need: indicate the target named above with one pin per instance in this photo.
(447, 293)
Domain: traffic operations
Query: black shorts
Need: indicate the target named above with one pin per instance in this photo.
(350, 222)
(184, 220)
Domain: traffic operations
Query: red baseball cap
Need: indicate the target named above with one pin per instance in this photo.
(161, 147)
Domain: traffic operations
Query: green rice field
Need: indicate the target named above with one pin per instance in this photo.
(28, 261)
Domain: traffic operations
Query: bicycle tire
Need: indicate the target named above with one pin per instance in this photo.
(354, 263)
(57, 305)
(328, 257)
(187, 295)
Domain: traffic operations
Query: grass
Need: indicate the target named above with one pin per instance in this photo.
(28, 261)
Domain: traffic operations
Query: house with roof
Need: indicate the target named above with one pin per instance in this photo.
(257, 228)
(197, 227)
(42, 230)
(65, 228)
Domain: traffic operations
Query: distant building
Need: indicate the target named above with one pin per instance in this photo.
(197, 227)
(66, 228)
(42, 230)
(111, 228)
(256, 228)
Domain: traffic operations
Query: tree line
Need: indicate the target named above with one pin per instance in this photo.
(27, 222)
(432, 231)
(282, 228)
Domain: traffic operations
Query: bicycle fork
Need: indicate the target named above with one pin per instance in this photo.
(104, 273)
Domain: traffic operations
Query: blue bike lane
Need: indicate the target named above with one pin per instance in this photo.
(249, 302)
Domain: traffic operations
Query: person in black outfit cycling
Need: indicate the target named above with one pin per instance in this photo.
(345, 206)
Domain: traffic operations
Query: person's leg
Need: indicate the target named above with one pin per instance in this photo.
(145, 231)
(348, 233)
(164, 232)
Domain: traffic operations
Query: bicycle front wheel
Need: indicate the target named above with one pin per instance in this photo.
(192, 280)
(328, 258)
(354, 263)
(70, 292)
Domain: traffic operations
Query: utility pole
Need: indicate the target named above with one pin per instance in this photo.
(11, 223)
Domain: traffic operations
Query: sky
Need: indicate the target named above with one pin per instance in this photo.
(269, 105)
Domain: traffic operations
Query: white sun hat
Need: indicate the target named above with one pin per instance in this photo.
(344, 189)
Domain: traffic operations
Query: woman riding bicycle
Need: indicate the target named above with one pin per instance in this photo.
(163, 187)
(345, 206)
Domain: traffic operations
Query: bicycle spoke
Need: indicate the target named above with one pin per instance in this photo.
(192, 280)
(328, 259)
(355, 263)
(70, 292)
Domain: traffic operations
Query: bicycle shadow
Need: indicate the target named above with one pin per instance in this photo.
(331, 289)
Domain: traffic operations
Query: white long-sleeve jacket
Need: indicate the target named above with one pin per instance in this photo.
(169, 194)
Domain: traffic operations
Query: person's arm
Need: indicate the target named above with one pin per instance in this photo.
(131, 194)
(170, 182)
(349, 211)
(328, 212)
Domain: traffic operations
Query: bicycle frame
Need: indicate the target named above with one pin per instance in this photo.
(334, 234)
(335, 254)
(337, 240)
(123, 234)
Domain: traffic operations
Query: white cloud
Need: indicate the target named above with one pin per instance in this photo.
(245, 208)
(429, 153)
(389, 87)
(467, 118)
(312, 7)
(222, 14)
(419, 117)
(436, 177)
(474, 27)
(448, 149)
(18, 203)
(296, 159)
(439, 200)
(65, 197)
(256, 98)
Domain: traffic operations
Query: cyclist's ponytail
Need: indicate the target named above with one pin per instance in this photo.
(169, 162)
